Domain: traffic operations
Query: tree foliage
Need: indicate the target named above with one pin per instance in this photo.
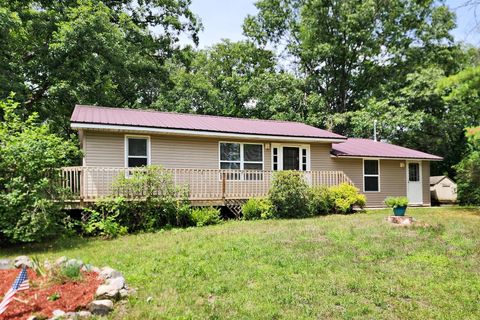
(349, 49)
(468, 177)
(28, 186)
(59, 53)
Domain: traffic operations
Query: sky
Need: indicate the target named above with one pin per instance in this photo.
(223, 19)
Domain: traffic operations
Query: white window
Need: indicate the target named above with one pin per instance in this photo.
(242, 156)
(137, 151)
(371, 176)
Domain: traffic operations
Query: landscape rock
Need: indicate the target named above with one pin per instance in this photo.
(47, 265)
(57, 314)
(6, 264)
(107, 291)
(124, 293)
(95, 269)
(60, 261)
(70, 316)
(100, 307)
(22, 260)
(108, 273)
(118, 282)
(74, 262)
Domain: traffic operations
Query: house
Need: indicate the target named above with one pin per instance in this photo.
(224, 158)
(443, 189)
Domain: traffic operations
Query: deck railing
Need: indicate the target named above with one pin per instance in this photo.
(90, 183)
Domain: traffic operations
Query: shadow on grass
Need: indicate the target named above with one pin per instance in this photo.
(64, 242)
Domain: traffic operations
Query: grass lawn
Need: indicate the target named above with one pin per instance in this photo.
(332, 267)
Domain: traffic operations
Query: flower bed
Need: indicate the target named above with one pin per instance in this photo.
(54, 295)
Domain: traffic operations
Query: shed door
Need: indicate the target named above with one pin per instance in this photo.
(414, 182)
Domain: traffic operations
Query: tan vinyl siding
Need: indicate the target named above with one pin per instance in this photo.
(426, 182)
(107, 149)
(392, 178)
(320, 156)
(393, 182)
(104, 149)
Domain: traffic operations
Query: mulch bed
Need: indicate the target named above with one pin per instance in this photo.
(74, 295)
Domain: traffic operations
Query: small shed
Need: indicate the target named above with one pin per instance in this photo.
(443, 189)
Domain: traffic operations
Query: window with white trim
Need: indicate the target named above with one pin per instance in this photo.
(243, 156)
(137, 152)
(371, 176)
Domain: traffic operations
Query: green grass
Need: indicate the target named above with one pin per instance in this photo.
(333, 267)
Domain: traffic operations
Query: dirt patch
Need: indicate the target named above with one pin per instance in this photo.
(72, 295)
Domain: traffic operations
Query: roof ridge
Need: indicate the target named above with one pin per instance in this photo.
(193, 114)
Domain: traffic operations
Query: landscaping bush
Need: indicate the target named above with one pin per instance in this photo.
(205, 216)
(345, 196)
(321, 200)
(30, 152)
(154, 202)
(289, 195)
(102, 224)
(257, 208)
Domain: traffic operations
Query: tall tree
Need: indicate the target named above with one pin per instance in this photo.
(349, 49)
(58, 53)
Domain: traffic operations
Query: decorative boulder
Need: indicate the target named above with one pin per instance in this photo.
(60, 261)
(6, 264)
(108, 273)
(118, 282)
(100, 307)
(107, 291)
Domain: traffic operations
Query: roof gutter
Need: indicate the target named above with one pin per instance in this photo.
(198, 133)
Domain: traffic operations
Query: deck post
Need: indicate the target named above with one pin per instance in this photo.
(82, 181)
(224, 184)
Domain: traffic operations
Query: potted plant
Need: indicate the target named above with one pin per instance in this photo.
(398, 204)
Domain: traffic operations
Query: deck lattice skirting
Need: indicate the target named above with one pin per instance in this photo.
(205, 186)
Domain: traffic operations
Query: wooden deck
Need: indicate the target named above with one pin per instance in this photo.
(205, 186)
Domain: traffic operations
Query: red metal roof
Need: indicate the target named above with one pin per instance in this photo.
(368, 148)
(169, 120)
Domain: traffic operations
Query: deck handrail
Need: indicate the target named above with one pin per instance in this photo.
(87, 183)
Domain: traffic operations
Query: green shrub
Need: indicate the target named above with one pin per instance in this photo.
(153, 202)
(345, 196)
(321, 200)
(289, 195)
(29, 155)
(394, 202)
(205, 216)
(102, 224)
(257, 208)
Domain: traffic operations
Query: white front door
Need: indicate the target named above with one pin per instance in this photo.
(414, 182)
(290, 157)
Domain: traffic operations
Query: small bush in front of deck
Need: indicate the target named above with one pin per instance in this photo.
(102, 223)
(321, 200)
(257, 208)
(289, 195)
(205, 216)
(345, 197)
